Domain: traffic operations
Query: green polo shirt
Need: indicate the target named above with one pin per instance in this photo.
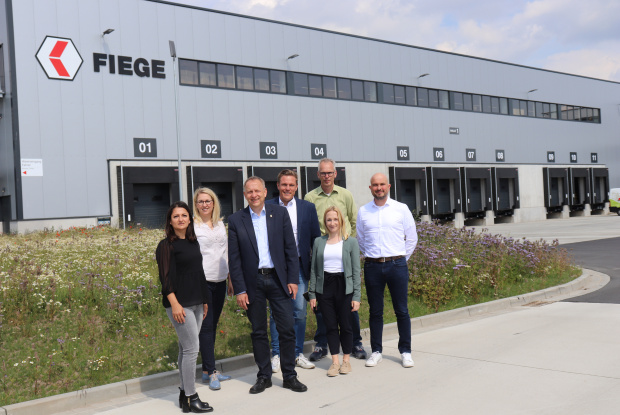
(339, 197)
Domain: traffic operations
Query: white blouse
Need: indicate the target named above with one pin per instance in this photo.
(214, 250)
(332, 258)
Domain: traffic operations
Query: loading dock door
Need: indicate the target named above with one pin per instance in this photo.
(148, 193)
(600, 187)
(445, 190)
(226, 182)
(579, 186)
(311, 180)
(505, 188)
(476, 188)
(556, 187)
(409, 186)
(270, 176)
(150, 204)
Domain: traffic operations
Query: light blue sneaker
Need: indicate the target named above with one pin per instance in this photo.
(214, 380)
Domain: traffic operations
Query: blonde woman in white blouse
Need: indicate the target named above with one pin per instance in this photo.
(211, 234)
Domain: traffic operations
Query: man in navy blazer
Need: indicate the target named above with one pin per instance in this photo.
(264, 265)
(306, 228)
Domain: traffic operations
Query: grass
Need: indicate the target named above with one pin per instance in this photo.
(81, 307)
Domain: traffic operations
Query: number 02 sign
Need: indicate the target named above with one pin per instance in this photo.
(211, 149)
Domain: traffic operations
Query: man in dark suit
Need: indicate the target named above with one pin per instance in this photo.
(306, 228)
(264, 265)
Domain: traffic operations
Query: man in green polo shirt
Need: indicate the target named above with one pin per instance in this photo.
(328, 194)
(324, 196)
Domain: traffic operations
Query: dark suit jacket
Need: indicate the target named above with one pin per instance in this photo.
(243, 249)
(308, 229)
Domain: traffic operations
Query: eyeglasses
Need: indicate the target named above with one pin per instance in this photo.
(204, 202)
(326, 173)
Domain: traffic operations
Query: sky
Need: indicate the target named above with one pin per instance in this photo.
(580, 37)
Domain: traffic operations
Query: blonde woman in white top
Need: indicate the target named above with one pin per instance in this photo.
(211, 234)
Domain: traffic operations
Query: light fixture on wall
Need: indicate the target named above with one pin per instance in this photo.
(107, 32)
(423, 75)
(530, 91)
(292, 56)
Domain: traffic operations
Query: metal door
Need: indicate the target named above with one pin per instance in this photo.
(150, 203)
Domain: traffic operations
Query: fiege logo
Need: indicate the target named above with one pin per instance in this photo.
(59, 58)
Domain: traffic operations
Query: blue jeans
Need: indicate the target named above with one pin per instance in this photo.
(320, 337)
(269, 288)
(209, 325)
(299, 314)
(396, 275)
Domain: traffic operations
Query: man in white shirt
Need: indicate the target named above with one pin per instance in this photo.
(387, 237)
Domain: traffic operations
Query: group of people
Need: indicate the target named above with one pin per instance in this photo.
(285, 252)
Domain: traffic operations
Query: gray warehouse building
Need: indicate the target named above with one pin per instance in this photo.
(92, 103)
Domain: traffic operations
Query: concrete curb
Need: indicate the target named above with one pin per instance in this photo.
(589, 280)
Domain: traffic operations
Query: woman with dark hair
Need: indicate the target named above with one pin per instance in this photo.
(185, 296)
(211, 233)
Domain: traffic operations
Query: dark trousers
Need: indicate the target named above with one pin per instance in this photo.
(269, 288)
(320, 336)
(208, 329)
(396, 275)
(336, 308)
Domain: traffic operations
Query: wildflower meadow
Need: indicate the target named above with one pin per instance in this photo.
(82, 307)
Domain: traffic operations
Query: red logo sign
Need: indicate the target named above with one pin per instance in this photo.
(59, 58)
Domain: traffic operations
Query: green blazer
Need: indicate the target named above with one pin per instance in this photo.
(350, 263)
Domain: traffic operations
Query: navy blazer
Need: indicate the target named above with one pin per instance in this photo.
(308, 229)
(243, 249)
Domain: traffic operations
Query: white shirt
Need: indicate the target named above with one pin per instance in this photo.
(292, 212)
(386, 231)
(332, 258)
(214, 250)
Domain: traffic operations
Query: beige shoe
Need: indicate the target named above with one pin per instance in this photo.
(333, 370)
(345, 368)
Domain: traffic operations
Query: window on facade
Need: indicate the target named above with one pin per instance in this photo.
(278, 81)
(513, 106)
(596, 115)
(523, 108)
(477, 103)
(2, 76)
(433, 98)
(495, 105)
(357, 90)
(486, 103)
(411, 96)
(422, 97)
(329, 87)
(589, 117)
(467, 102)
(577, 116)
(189, 72)
(388, 93)
(344, 88)
(503, 106)
(553, 111)
(315, 87)
(245, 79)
(206, 74)
(531, 109)
(456, 98)
(300, 84)
(225, 76)
(399, 94)
(370, 91)
(261, 79)
(539, 110)
(444, 100)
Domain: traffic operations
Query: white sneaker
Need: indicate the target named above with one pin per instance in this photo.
(303, 362)
(374, 359)
(407, 360)
(275, 364)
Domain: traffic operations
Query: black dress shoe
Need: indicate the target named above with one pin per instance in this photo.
(294, 384)
(182, 397)
(260, 385)
(193, 404)
(359, 352)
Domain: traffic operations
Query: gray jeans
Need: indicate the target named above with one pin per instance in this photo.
(188, 345)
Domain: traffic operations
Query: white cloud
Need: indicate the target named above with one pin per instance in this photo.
(603, 64)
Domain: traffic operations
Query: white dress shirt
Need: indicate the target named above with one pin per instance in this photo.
(214, 250)
(386, 231)
(259, 222)
(292, 212)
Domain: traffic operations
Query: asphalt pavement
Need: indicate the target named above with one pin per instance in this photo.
(533, 354)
